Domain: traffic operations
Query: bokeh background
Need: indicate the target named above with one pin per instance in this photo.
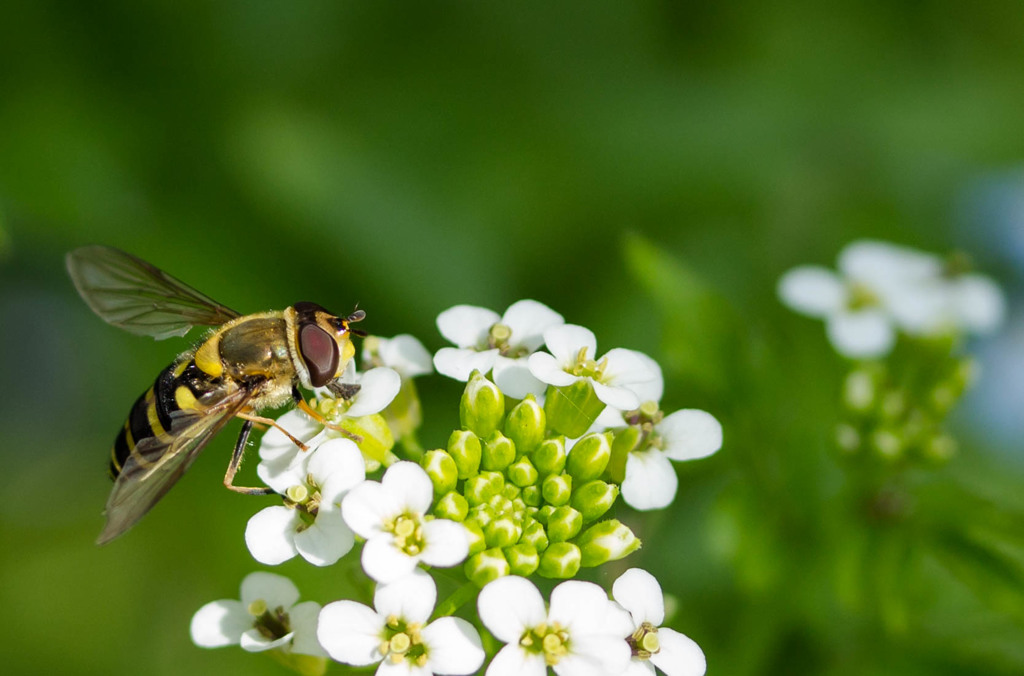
(648, 169)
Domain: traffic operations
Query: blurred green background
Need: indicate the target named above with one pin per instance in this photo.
(648, 169)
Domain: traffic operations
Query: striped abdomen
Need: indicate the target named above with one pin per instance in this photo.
(178, 386)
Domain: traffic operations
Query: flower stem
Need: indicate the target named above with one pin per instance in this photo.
(456, 600)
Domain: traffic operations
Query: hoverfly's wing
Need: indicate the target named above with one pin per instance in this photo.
(138, 297)
(156, 463)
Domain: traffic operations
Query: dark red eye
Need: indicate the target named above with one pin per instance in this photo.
(320, 353)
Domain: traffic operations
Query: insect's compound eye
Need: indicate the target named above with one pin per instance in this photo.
(319, 352)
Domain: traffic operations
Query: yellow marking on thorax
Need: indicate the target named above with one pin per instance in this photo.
(180, 368)
(208, 357)
(185, 399)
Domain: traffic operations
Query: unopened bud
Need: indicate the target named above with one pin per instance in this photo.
(482, 406)
(572, 409)
(531, 496)
(564, 523)
(606, 541)
(525, 424)
(623, 443)
(502, 532)
(549, 456)
(522, 559)
(441, 469)
(477, 542)
(452, 506)
(464, 447)
(498, 452)
(486, 566)
(376, 438)
(534, 535)
(594, 498)
(522, 472)
(560, 561)
(589, 457)
(557, 489)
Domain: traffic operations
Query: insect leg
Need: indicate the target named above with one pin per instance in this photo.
(273, 423)
(315, 415)
(236, 462)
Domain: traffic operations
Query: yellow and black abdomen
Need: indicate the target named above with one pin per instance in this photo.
(178, 386)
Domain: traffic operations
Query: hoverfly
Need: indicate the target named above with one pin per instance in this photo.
(246, 364)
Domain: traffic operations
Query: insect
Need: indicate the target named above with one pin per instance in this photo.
(246, 364)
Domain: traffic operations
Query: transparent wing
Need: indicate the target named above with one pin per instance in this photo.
(132, 294)
(154, 465)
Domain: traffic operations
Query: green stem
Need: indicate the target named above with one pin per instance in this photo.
(456, 600)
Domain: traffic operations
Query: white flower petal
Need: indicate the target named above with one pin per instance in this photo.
(459, 363)
(338, 466)
(383, 561)
(528, 320)
(274, 444)
(410, 485)
(466, 325)
(639, 593)
(220, 623)
(690, 434)
(584, 608)
(513, 378)
(367, 506)
(595, 654)
(679, 655)
(447, 543)
(410, 597)
(650, 481)
(351, 633)
(547, 369)
(303, 618)
(509, 606)
(920, 308)
(978, 303)
(512, 660)
(881, 264)
(812, 290)
(401, 668)
(454, 646)
(276, 590)
(639, 667)
(566, 341)
(377, 388)
(636, 372)
(406, 354)
(860, 335)
(255, 642)
(270, 535)
(618, 397)
(327, 540)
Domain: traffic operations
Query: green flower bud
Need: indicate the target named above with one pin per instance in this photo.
(525, 424)
(606, 541)
(623, 443)
(486, 566)
(549, 456)
(594, 498)
(498, 452)
(847, 438)
(479, 489)
(376, 436)
(887, 444)
(522, 472)
(589, 457)
(560, 561)
(564, 523)
(534, 535)
(859, 390)
(464, 447)
(544, 512)
(477, 542)
(894, 404)
(512, 492)
(531, 496)
(482, 406)
(441, 469)
(499, 504)
(940, 448)
(522, 559)
(452, 506)
(503, 531)
(557, 489)
(404, 414)
(481, 515)
(571, 410)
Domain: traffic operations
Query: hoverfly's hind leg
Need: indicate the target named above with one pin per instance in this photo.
(236, 462)
(304, 406)
(250, 418)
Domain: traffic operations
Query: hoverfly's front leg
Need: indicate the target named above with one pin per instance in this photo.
(273, 423)
(317, 416)
(236, 462)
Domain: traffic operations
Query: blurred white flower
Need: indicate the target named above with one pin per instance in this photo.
(486, 341)
(395, 632)
(403, 353)
(267, 617)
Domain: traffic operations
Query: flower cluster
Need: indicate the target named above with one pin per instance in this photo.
(550, 434)
(882, 289)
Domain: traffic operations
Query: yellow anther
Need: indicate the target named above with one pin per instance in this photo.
(392, 621)
(257, 607)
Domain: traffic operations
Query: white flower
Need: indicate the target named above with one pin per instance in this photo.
(266, 618)
(391, 516)
(882, 287)
(403, 353)
(486, 341)
(689, 434)
(652, 646)
(621, 378)
(310, 522)
(582, 633)
(394, 632)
